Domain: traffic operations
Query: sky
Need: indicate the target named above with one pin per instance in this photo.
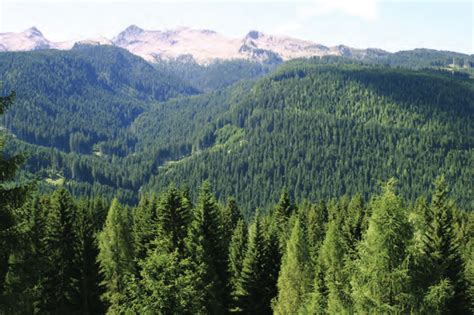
(390, 25)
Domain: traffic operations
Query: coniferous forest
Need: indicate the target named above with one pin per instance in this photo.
(315, 186)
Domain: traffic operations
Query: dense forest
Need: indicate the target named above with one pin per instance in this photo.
(172, 255)
(101, 121)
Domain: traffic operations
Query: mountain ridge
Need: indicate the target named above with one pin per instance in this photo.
(204, 46)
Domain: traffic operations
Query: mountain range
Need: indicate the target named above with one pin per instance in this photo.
(204, 46)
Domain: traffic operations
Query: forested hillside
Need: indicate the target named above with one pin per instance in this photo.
(81, 100)
(326, 130)
(97, 120)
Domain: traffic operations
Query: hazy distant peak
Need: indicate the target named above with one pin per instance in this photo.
(133, 30)
(254, 34)
(33, 31)
(202, 45)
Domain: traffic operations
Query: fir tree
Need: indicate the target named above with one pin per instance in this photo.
(250, 293)
(144, 226)
(173, 218)
(208, 256)
(91, 214)
(28, 260)
(443, 266)
(231, 215)
(11, 196)
(282, 213)
(60, 281)
(237, 249)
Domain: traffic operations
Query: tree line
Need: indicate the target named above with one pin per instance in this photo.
(169, 255)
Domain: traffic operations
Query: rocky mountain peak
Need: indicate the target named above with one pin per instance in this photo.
(33, 32)
(254, 34)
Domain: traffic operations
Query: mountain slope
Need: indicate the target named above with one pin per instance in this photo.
(73, 100)
(321, 127)
(324, 131)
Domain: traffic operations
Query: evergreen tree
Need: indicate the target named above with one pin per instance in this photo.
(333, 259)
(272, 259)
(28, 260)
(231, 215)
(90, 216)
(116, 254)
(237, 249)
(208, 256)
(11, 197)
(173, 218)
(161, 288)
(250, 293)
(282, 213)
(60, 281)
(443, 267)
(354, 222)
(294, 279)
(144, 226)
(381, 281)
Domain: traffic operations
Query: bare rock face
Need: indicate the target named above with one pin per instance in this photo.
(30, 39)
(204, 46)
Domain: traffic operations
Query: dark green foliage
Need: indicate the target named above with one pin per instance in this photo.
(216, 75)
(404, 259)
(442, 264)
(174, 217)
(231, 216)
(60, 281)
(90, 218)
(12, 196)
(250, 288)
(207, 253)
(330, 130)
(325, 127)
(145, 225)
(237, 250)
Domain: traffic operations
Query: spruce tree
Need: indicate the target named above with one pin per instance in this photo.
(161, 288)
(12, 196)
(442, 266)
(28, 260)
(173, 218)
(144, 225)
(282, 213)
(207, 255)
(237, 249)
(381, 281)
(116, 254)
(250, 293)
(231, 215)
(90, 217)
(294, 280)
(60, 281)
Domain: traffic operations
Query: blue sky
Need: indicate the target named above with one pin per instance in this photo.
(394, 25)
